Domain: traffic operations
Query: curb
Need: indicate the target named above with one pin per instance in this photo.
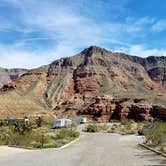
(66, 145)
(22, 147)
(28, 148)
(153, 150)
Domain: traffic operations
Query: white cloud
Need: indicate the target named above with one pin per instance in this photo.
(70, 29)
(138, 24)
(19, 56)
(142, 51)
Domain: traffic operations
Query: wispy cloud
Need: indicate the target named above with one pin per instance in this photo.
(142, 51)
(19, 56)
(160, 25)
(68, 26)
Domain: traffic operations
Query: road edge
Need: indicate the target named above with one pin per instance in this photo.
(153, 150)
(28, 148)
(66, 145)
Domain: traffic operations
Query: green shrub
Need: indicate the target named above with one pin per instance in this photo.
(51, 146)
(4, 135)
(32, 138)
(122, 131)
(66, 133)
(97, 128)
(36, 138)
(156, 135)
(92, 128)
(41, 139)
(48, 123)
(127, 123)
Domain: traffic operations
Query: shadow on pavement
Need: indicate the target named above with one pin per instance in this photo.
(155, 159)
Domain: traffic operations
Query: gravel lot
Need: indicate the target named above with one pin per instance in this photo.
(91, 150)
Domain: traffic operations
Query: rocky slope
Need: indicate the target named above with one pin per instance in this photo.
(155, 67)
(7, 75)
(75, 86)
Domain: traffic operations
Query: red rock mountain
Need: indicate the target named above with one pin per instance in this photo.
(98, 84)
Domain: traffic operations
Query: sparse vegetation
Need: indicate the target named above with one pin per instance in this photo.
(156, 136)
(92, 128)
(125, 126)
(128, 127)
(121, 127)
(25, 135)
(97, 128)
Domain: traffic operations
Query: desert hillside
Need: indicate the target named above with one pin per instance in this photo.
(97, 83)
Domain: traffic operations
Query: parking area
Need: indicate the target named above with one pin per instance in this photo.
(91, 149)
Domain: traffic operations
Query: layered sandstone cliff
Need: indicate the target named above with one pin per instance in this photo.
(76, 85)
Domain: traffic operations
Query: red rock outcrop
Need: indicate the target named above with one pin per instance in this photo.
(87, 83)
(105, 108)
(82, 84)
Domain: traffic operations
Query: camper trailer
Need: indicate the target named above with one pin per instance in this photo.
(58, 123)
(13, 121)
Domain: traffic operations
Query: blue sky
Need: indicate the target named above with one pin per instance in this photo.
(37, 32)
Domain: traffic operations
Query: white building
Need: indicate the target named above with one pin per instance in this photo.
(62, 123)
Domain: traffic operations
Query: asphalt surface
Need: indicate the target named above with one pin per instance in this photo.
(90, 150)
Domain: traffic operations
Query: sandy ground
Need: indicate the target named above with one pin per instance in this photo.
(91, 150)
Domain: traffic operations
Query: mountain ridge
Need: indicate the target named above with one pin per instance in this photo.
(70, 85)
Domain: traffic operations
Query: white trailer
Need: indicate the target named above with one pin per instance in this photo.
(58, 123)
(83, 120)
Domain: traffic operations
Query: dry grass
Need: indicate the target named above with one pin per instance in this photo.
(14, 105)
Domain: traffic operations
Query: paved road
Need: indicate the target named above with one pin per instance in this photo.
(91, 150)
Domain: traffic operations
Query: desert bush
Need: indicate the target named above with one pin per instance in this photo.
(21, 127)
(126, 126)
(96, 128)
(122, 131)
(142, 127)
(4, 135)
(127, 123)
(36, 138)
(92, 128)
(39, 139)
(47, 123)
(66, 133)
(33, 138)
(156, 135)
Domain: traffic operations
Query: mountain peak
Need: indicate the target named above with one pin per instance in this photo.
(94, 50)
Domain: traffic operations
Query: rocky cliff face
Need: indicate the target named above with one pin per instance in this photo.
(105, 108)
(155, 67)
(75, 86)
(7, 75)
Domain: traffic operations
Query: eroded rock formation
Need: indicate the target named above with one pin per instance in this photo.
(106, 108)
(97, 83)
